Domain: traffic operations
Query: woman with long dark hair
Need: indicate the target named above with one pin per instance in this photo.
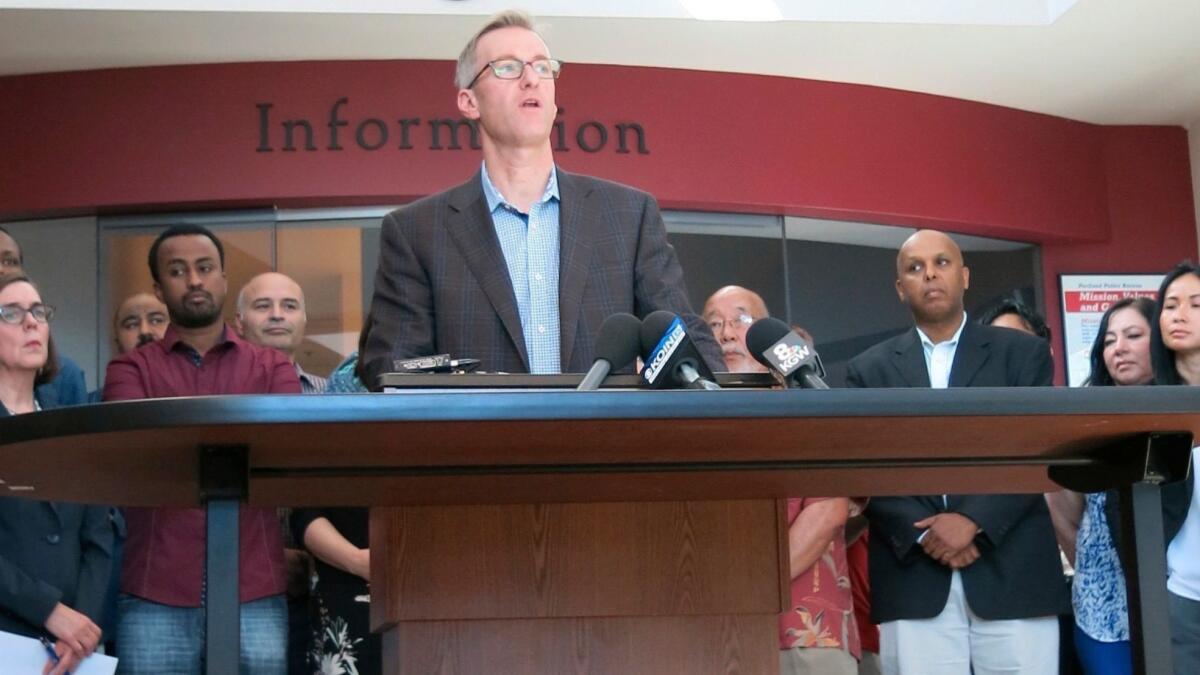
(1175, 351)
(55, 558)
(1120, 357)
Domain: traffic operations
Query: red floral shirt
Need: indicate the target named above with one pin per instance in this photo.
(822, 608)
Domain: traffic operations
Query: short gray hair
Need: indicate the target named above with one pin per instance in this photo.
(467, 68)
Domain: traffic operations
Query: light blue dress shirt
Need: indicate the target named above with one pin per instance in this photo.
(939, 359)
(530, 245)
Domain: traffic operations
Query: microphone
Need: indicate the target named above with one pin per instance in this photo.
(671, 358)
(788, 355)
(617, 346)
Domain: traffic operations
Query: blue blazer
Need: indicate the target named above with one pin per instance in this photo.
(67, 388)
(51, 552)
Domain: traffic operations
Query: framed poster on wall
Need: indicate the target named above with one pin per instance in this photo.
(1084, 298)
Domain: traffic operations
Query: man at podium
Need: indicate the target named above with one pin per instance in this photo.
(520, 265)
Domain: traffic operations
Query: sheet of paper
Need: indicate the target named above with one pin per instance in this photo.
(26, 656)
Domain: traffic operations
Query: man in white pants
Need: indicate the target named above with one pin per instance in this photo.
(959, 583)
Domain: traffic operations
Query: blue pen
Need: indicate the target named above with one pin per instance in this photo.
(50, 650)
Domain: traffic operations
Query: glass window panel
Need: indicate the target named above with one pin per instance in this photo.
(842, 283)
(834, 278)
(722, 249)
(329, 261)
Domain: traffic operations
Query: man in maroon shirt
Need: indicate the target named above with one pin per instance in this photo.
(161, 615)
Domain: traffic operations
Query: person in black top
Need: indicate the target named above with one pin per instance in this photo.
(55, 558)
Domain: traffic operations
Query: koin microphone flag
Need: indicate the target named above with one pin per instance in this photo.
(670, 357)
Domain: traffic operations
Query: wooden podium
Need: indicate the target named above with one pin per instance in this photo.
(598, 532)
(651, 587)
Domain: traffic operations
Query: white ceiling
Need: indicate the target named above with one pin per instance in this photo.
(1103, 61)
(1008, 12)
(816, 229)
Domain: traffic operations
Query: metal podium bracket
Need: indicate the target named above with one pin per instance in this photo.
(1137, 467)
(224, 485)
(1145, 563)
(224, 472)
(1154, 457)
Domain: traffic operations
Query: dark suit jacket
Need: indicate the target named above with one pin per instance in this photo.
(51, 552)
(1018, 574)
(442, 285)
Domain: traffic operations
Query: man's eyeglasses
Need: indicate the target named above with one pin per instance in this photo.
(15, 314)
(512, 69)
(718, 325)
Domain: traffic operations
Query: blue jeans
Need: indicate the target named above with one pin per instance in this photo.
(154, 639)
(1185, 634)
(109, 613)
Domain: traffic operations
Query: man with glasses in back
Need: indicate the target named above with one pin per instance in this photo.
(520, 265)
(729, 313)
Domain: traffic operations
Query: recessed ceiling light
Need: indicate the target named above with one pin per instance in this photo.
(737, 10)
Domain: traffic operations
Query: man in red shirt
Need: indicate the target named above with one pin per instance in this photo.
(161, 608)
(819, 633)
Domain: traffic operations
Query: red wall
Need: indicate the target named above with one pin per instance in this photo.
(1097, 198)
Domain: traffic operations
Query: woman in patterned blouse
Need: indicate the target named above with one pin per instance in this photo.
(1120, 357)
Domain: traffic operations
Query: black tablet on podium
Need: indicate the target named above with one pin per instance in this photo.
(425, 381)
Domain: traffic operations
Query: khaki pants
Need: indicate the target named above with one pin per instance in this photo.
(817, 661)
(869, 664)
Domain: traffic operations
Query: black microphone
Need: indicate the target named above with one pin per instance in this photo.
(671, 358)
(617, 346)
(779, 348)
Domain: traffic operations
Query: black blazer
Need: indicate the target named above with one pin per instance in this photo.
(1018, 574)
(51, 552)
(442, 285)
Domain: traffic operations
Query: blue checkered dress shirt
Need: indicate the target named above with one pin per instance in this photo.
(530, 245)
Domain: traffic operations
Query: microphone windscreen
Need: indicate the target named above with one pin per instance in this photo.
(762, 334)
(654, 326)
(619, 340)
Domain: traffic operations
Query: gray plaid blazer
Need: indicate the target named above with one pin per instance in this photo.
(442, 285)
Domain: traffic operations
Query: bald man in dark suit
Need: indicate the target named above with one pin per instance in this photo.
(959, 583)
